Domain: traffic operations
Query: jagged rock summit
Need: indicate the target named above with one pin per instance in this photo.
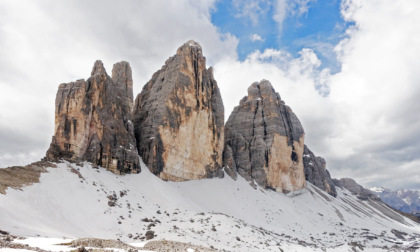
(264, 141)
(316, 172)
(93, 121)
(179, 119)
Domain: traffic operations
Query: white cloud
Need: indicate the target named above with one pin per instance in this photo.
(251, 9)
(289, 8)
(255, 37)
(280, 12)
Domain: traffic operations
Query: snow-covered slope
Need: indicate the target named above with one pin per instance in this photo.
(407, 201)
(74, 202)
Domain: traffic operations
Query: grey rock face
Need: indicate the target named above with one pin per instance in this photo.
(351, 185)
(264, 140)
(92, 121)
(179, 119)
(316, 173)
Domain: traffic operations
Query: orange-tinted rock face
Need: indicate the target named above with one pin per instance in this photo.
(264, 141)
(92, 121)
(179, 118)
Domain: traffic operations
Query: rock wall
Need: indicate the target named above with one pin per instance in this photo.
(316, 172)
(264, 141)
(179, 119)
(92, 121)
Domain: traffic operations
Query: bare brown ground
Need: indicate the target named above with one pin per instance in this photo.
(19, 176)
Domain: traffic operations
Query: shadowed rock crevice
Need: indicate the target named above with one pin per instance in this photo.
(316, 172)
(93, 121)
(179, 119)
(264, 141)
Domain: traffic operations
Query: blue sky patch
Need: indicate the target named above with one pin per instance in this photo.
(320, 28)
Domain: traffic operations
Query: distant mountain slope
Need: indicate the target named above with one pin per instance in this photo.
(76, 202)
(406, 201)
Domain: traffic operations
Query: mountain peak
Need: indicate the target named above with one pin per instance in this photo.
(182, 139)
(264, 141)
(98, 68)
(189, 46)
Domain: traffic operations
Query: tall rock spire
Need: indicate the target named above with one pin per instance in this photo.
(179, 118)
(264, 141)
(92, 121)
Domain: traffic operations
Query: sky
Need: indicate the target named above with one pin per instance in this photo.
(349, 69)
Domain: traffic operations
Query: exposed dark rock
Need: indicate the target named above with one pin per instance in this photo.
(229, 162)
(264, 141)
(316, 173)
(351, 185)
(92, 121)
(150, 235)
(179, 119)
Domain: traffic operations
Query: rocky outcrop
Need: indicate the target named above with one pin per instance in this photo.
(92, 121)
(316, 172)
(264, 141)
(179, 119)
(351, 185)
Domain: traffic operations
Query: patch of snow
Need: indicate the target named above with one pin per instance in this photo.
(44, 243)
(407, 200)
(377, 189)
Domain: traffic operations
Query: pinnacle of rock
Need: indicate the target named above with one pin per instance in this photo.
(122, 76)
(179, 119)
(92, 121)
(264, 140)
(98, 68)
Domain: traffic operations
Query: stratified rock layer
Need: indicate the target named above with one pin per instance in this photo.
(316, 173)
(179, 117)
(92, 121)
(264, 141)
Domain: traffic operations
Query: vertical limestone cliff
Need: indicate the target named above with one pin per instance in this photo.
(93, 121)
(316, 172)
(264, 141)
(179, 119)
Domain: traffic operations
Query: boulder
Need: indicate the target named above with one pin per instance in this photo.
(316, 172)
(179, 119)
(264, 141)
(93, 121)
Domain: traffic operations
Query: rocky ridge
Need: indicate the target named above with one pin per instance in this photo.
(404, 200)
(179, 119)
(358, 190)
(93, 121)
(316, 172)
(264, 141)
